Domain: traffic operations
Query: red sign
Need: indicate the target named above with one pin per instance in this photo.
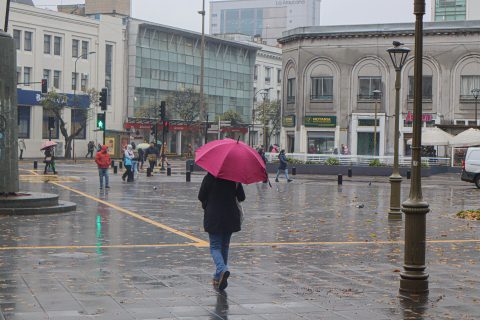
(425, 117)
(229, 129)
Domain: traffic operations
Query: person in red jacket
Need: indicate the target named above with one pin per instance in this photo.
(102, 158)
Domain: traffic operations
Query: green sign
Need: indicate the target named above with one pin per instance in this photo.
(320, 121)
(288, 121)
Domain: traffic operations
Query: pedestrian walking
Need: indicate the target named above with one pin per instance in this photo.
(21, 146)
(49, 160)
(141, 158)
(151, 154)
(90, 148)
(134, 160)
(283, 166)
(127, 161)
(261, 153)
(102, 158)
(163, 155)
(222, 216)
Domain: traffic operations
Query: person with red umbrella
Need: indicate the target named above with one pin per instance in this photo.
(229, 164)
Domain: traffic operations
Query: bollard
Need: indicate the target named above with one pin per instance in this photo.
(113, 164)
(169, 171)
(187, 176)
(149, 172)
(120, 164)
(350, 172)
(294, 171)
(408, 174)
(35, 164)
(191, 166)
(340, 179)
(115, 169)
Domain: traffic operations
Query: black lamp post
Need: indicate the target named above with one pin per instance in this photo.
(475, 93)
(376, 95)
(398, 55)
(414, 279)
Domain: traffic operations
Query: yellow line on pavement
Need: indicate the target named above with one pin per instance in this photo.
(113, 246)
(133, 214)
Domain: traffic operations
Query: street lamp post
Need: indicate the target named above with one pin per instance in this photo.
(75, 95)
(265, 94)
(202, 65)
(376, 96)
(414, 279)
(398, 55)
(476, 93)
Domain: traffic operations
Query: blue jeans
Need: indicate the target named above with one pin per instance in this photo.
(134, 166)
(219, 244)
(103, 173)
(286, 174)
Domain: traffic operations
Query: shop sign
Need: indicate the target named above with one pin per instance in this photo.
(425, 117)
(35, 98)
(320, 121)
(288, 121)
(232, 129)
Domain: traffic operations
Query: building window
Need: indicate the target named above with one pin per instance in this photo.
(19, 75)
(78, 120)
(23, 122)
(108, 71)
(84, 82)
(17, 35)
(368, 122)
(322, 88)
(279, 76)
(448, 10)
(56, 79)
(27, 72)
(74, 81)
(255, 73)
(45, 130)
(426, 87)
(84, 49)
(321, 142)
(57, 45)
(367, 85)
(268, 74)
(47, 44)
(75, 44)
(467, 84)
(27, 45)
(46, 75)
(291, 90)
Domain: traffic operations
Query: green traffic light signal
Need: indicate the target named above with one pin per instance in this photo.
(100, 124)
(101, 121)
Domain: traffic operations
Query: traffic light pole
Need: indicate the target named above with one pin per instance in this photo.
(104, 125)
(163, 147)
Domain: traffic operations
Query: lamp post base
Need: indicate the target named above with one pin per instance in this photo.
(414, 283)
(395, 212)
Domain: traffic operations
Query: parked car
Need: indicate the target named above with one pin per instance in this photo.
(471, 166)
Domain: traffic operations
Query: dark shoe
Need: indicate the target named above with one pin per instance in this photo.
(289, 180)
(101, 188)
(276, 180)
(107, 187)
(123, 178)
(223, 283)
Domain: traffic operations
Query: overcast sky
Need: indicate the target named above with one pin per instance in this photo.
(183, 13)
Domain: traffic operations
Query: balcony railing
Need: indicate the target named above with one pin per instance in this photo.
(322, 98)
(469, 98)
(426, 98)
(291, 99)
(368, 97)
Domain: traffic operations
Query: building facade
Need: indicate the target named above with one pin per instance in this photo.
(264, 18)
(330, 74)
(163, 60)
(51, 45)
(450, 10)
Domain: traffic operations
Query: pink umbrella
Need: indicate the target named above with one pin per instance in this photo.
(231, 160)
(48, 144)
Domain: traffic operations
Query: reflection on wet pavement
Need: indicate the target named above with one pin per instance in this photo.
(308, 250)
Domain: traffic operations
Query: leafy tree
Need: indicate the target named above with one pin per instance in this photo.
(54, 103)
(269, 112)
(233, 116)
(185, 104)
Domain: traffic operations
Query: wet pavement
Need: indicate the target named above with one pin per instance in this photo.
(308, 250)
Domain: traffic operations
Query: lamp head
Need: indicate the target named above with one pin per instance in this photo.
(476, 93)
(398, 55)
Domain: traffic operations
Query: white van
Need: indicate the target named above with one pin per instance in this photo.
(471, 166)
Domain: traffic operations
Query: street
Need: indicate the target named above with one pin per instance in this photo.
(308, 250)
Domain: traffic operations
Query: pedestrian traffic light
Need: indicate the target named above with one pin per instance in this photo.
(166, 126)
(51, 123)
(101, 121)
(44, 86)
(162, 110)
(103, 99)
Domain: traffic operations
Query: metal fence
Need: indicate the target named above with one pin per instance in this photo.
(352, 160)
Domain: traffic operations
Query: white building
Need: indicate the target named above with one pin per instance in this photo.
(48, 44)
(448, 10)
(266, 18)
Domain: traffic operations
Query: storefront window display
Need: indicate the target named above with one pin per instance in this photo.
(321, 142)
(365, 143)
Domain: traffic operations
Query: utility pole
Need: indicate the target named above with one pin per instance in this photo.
(202, 63)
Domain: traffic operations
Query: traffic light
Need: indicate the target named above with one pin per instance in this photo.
(101, 121)
(103, 99)
(44, 86)
(166, 126)
(162, 110)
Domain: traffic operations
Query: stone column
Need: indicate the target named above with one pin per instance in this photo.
(8, 116)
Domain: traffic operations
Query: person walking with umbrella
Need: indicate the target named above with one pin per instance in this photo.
(283, 166)
(49, 160)
(152, 154)
(221, 193)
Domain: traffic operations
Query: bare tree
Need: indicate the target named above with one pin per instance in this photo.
(185, 104)
(54, 103)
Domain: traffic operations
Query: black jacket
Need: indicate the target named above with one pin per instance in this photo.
(283, 161)
(221, 213)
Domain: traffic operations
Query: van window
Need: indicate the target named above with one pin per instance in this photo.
(475, 155)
